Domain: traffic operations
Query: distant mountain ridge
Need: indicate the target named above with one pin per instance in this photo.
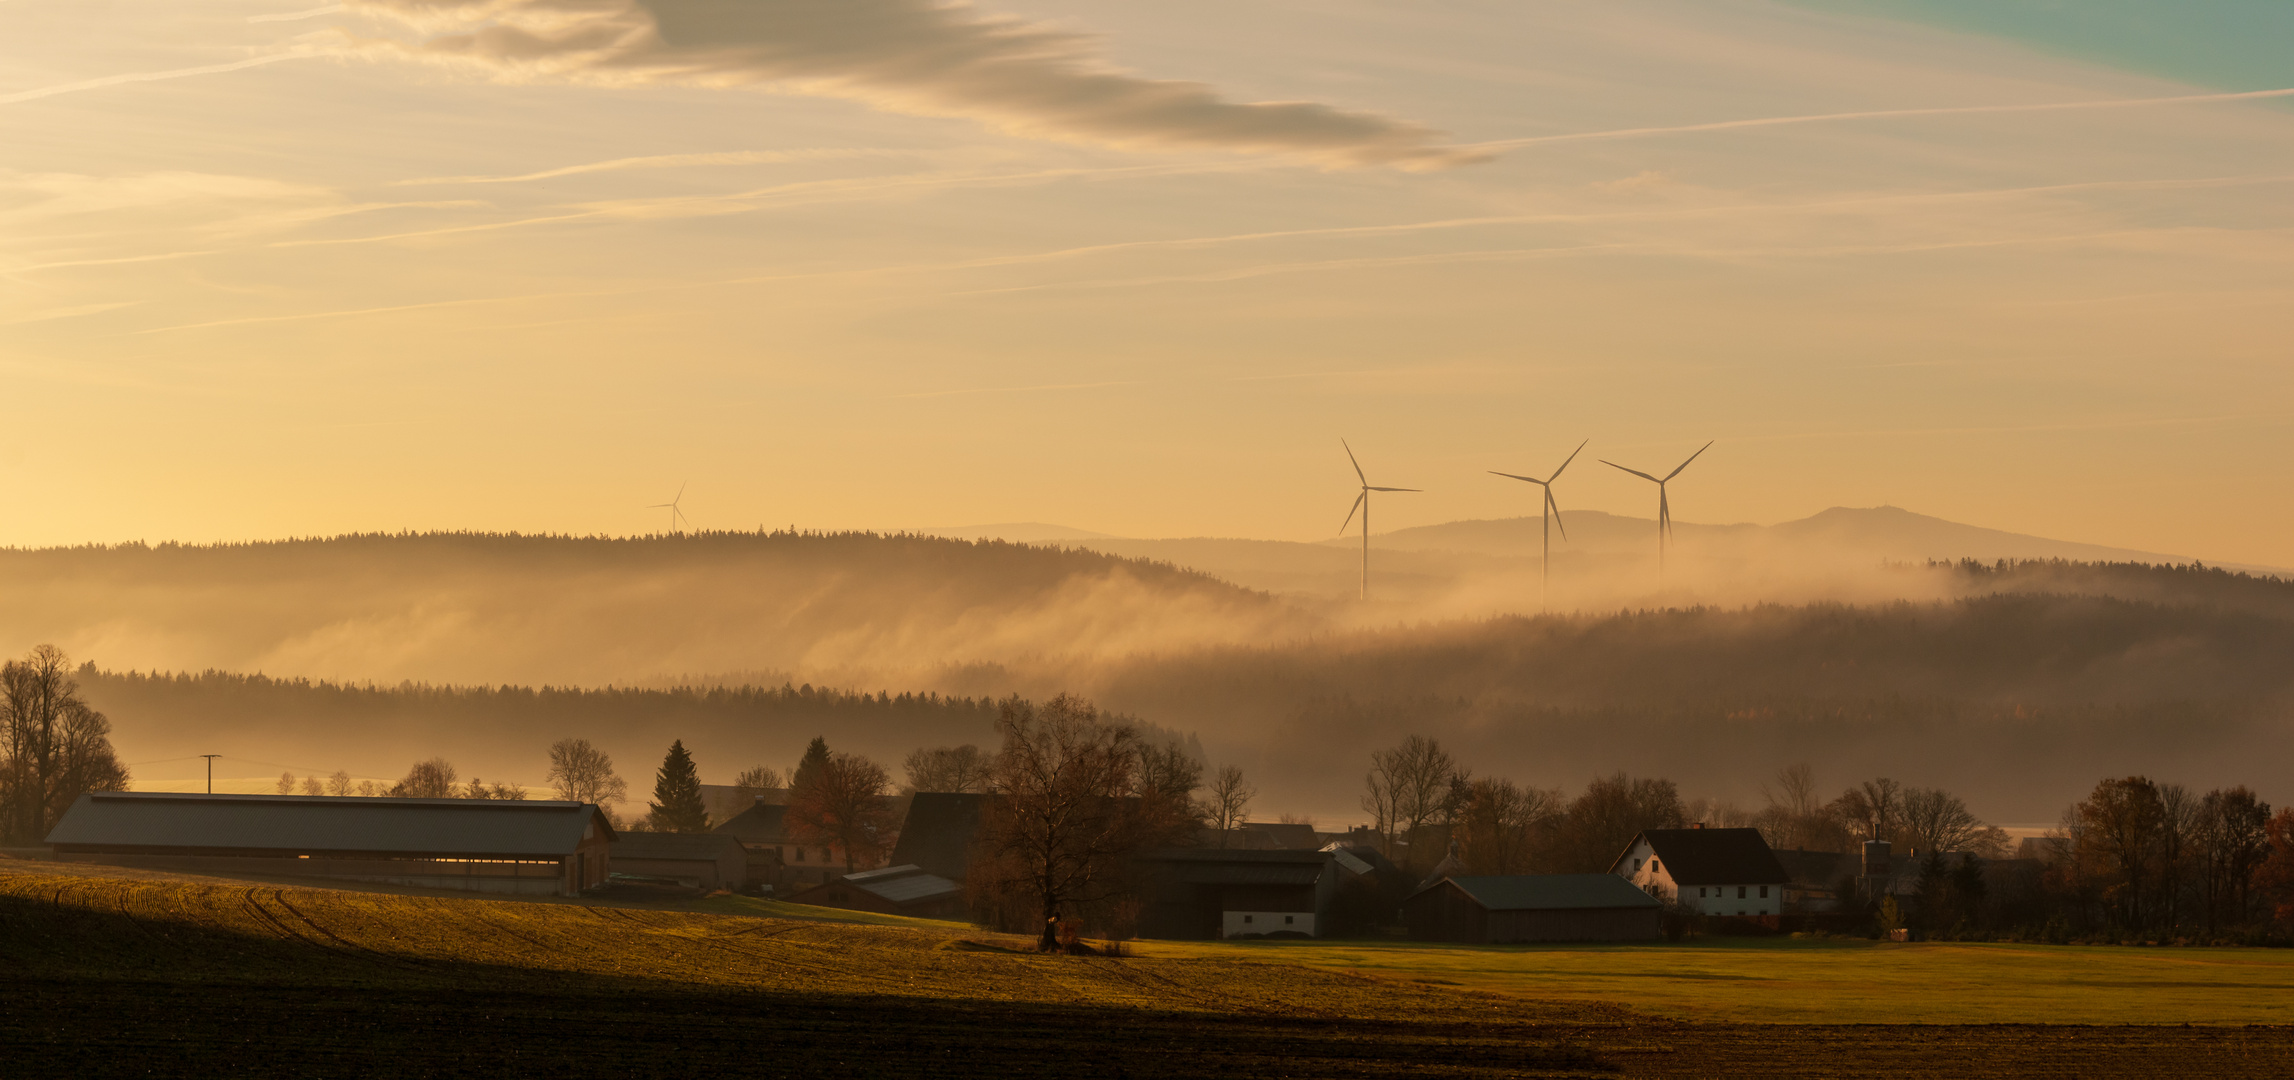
(1886, 532)
(1603, 560)
(1016, 532)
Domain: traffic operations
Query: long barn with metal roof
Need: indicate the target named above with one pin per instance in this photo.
(1496, 910)
(481, 845)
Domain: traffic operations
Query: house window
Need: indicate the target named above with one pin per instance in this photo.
(1700, 892)
(1636, 866)
(800, 854)
(1740, 892)
(1247, 918)
(1287, 920)
(1764, 892)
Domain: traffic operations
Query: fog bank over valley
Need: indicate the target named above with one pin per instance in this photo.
(2015, 685)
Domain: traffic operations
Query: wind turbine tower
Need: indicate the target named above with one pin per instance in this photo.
(1362, 503)
(676, 514)
(1664, 506)
(1549, 515)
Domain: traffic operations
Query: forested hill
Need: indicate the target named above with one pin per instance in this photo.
(490, 608)
(2018, 698)
(503, 732)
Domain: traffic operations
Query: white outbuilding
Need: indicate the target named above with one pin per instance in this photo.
(1725, 873)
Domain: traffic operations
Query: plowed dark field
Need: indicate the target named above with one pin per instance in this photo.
(120, 976)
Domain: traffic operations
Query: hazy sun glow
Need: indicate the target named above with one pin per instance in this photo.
(287, 270)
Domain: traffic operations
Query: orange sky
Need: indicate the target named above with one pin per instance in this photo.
(381, 278)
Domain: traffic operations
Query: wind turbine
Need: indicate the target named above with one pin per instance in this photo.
(1549, 515)
(1362, 503)
(676, 514)
(1664, 506)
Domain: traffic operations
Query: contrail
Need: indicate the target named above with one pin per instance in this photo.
(665, 161)
(292, 16)
(1017, 389)
(1878, 114)
(152, 76)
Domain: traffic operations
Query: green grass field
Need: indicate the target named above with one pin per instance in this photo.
(109, 972)
(1788, 981)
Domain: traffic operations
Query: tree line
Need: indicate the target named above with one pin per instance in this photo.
(2137, 858)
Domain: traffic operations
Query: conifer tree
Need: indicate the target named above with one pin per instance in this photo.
(677, 805)
(815, 756)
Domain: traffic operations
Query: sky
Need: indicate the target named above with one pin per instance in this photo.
(269, 269)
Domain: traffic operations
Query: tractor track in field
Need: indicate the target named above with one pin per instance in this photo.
(369, 954)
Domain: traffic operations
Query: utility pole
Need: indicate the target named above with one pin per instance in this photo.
(211, 771)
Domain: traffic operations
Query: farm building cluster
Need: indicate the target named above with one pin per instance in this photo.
(1261, 880)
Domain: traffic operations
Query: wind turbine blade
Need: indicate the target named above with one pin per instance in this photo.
(1565, 464)
(1357, 465)
(1393, 489)
(1636, 472)
(1530, 479)
(1358, 500)
(1555, 506)
(1664, 511)
(1685, 464)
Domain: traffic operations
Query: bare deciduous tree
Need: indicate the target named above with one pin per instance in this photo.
(1872, 808)
(339, 783)
(948, 768)
(755, 782)
(1499, 822)
(1228, 800)
(2115, 850)
(1070, 810)
(432, 779)
(2232, 838)
(479, 789)
(1613, 810)
(286, 783)
(53, 747)
(580, 772)
(1407, 787)
(1932, 819)
(841, 804)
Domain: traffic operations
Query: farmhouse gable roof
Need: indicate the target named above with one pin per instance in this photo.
(1711, 857)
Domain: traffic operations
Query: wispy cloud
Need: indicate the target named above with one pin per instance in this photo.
(390, 309)
(803, 192)
(120, 260)
(922, 57)
(158, 76)
(296, 16)
(666, 161)
(23, 317)
(1880, 114)
(1017, 389)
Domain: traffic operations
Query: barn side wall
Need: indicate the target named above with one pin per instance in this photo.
(517, 878)
(1581, 924)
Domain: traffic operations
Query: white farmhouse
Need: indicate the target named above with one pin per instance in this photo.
(1720, 872)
